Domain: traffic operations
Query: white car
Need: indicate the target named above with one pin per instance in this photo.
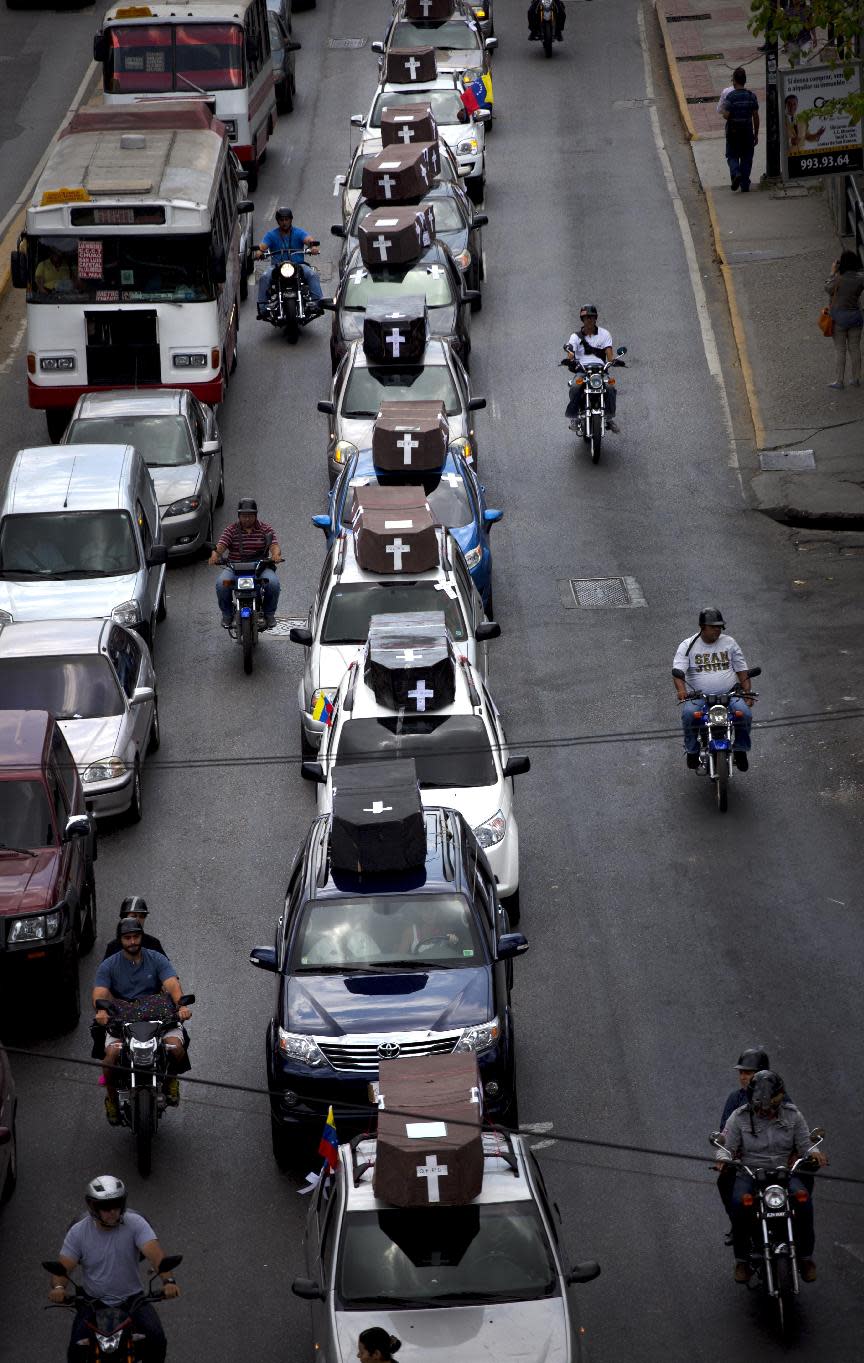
(460, 751)
(348, 595)
(459, 46)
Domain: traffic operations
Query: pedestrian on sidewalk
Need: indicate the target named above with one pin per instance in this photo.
(740, 109)
(845, 287)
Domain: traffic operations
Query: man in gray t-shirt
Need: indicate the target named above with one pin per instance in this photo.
(106, 1245)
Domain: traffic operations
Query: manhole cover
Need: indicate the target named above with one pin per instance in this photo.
(346, 42)
(592, 592)
(787, 461)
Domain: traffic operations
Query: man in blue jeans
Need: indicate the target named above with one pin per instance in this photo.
(285, 243)
(740, 108)
(711, 663)
(247, 541)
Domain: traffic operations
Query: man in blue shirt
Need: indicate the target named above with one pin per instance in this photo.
(285, 243)
(740, 108)
(136, 972)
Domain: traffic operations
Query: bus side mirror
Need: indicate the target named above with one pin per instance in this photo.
(18, 267)
(100, 47)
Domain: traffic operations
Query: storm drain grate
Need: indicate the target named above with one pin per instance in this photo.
(702, 57)
(593, 592)
(783, 461)
(702, 99)
(685, 18)
(346, 42)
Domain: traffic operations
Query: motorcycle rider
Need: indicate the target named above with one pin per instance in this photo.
(285, 243)
(108, 1243)
(591, 341)
(750, 1061)
(134, 907)
(763, 1132)
(247, 541)
(713, 668)
(534, 20)
(136, 972)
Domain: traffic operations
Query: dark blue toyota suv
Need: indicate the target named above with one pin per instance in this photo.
(374, 962)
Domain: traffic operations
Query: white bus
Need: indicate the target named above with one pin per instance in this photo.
(130, 257)
(215, 47)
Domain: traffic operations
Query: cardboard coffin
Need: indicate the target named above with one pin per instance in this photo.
(404, 125)
(396, 236)
(428, 9)
(410, 65)
(409, 662)
(398, 175)
(434, 1155)
(378, 823)
(395, 330)
(410, 436)
(394, 530)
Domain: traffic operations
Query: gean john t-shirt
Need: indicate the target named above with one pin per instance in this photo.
(710, 667)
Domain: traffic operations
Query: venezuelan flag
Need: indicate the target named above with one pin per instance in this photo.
(328, 1147)
(323, 709)
(481, 90)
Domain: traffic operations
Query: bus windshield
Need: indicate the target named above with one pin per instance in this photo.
(156, 58)
(121, 269)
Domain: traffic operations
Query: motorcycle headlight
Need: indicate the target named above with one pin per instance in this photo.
(492, 831)
(286, 271)
(344, 451)
(245, 584)
(479, 1038)
(717, 714)
(595, 381)
(127, 613)
(463, 260)
(303, 1048)
(144, 1051)
(106, 769)
(109, 1344)
(183, 507)
(473, 556)
(467, 147)
(775, 1197)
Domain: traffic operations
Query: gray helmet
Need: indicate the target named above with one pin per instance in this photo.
(753, 1059)
(765, 1089)
(247, 504)
(105, 1191)
(711, 616)
(284, 213)
(134, 904)
(129, 925)
(589, 308)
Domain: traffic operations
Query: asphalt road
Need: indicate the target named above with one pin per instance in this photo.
(664, 937)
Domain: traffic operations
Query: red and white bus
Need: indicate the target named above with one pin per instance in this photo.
(130, 257)
(218, 47)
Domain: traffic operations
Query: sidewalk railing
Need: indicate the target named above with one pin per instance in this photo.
(847, 207)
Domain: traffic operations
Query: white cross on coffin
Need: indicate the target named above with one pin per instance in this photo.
(425, 5)
(394, 316)
(358, 276)
(378, 807)
(435, 271)
(387, 183)
(409, 655)
(421, 694)
(396, 341)
(382, 245)
(398, 549)
(424, 172)
(412, 66)
(407, 135)
(432, 1171)
(406, 445)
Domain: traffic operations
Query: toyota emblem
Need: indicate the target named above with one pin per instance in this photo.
(388, 1050)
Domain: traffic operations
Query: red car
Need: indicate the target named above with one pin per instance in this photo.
(47, 849)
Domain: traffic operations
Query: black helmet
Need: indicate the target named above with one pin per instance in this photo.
(104, 1192)
(284, 213)
(247, 504)
(711, 616)
(753, 1059)
(129, 925)
(765, 1089)
(134, 904)
(589, 309)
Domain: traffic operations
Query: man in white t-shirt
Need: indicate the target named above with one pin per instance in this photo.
(711, 663)
(591, 342)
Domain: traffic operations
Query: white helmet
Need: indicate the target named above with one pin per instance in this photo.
(104, 1192)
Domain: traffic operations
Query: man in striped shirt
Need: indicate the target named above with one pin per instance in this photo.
(247, 541)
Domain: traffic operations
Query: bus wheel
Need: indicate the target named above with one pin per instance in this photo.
(57, 419)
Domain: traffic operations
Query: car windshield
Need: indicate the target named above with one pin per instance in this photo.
(445, 1256)
(450, 751)
(25, 816)
(95, 268)
(82, 687)
(352, 603)
(355, 180)
(366, 389)
(163, 440)
(445, 492)
(157, 58)
(416, 930)
(449, 33)
(68, 544)
(432, 280)
(447, 107)
(447, 215)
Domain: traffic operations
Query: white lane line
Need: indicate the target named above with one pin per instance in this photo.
(709, 340)
(14, 347)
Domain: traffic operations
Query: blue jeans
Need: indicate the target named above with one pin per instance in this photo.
(739, 157)
(741, 718)
(742, 1217)
(310, 275)
(226, 580)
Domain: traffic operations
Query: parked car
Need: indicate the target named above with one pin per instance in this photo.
(179, 440)
(282, 49)
(47, 885)
(97, 679)
(8, 1132)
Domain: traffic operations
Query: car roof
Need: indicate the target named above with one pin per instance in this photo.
(504, 1175)
(132, 402)
(50, 638)
(22, 738)
(68, 477)
(442, 869)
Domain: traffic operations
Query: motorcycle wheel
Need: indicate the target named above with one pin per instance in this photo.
(548, 38)
(595, 439)
(247, 642)
(721, 764)
(785, 1292)
(144, 1126)
(292, 330)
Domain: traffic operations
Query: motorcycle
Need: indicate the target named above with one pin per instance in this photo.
(111, 1328)
(591, 381)
(547, 25)
(289, 304)
(716, 736)
(247, 596)
(142, 1073)
(773, 1258)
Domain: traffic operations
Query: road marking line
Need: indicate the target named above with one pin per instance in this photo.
(709, 340)
(337, 185)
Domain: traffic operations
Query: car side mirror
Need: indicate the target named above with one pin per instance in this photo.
(210, 447)
(517, 766)
(18, 269)
(469, 296)
(218, 265)
(480, 220)
(476, 404)
(78, 826)
(511, 944)
(322, 522)
(141, 695)
(299, 634)
(583, 1273)
(327, 407)
(482, 116)
(337, 230)
(293, 46)
(157, 556)
(491, 516)
(264, 958)
(312, 771)
(358, 121)
(170, 1262)
(487, 629)
(245, 206)
(377, 47)
(100, 47)
(308, 1289)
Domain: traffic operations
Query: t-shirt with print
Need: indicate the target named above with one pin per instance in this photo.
(601, 340)
(109, 1258)
(128, 981)
(710, 667)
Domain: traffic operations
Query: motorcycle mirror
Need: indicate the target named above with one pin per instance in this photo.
(171, 1261)
(583, 1273)
(307, 1288)
(818, 1133)
(299, 634)
(186, 1001)
(754, 672)
(54, 1266)
(716, 1138)
(487, 629)
(327, 407)
(622, 350)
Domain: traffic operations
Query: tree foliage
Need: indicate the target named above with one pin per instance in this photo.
(841, 20)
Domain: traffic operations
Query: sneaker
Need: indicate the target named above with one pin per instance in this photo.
(745, 189)
(112, 1110)
(836, 385)
(743, 1272)
(226, 621)
(736, 180)
(692, 761)
(269, 621)
(171, 1089)
(740, 760)
(807, 1269)
(613, 426)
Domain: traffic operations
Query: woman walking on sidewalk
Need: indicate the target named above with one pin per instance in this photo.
(845, 287)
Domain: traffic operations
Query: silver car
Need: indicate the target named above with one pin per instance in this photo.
(98, 679)
(352, 183)
(181, 446)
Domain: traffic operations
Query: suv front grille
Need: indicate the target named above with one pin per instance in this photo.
(357, 1056)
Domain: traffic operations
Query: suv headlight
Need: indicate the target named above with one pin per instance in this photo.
(473, 556)
(127, 613)
(183, 507)
(303, 1048)
(479, 1038)
(467, 147)
(105, 769)
(344, 451)
(463, 259)
(37, 928)
(492, 831)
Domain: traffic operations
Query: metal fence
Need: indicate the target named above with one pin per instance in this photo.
(846, 197)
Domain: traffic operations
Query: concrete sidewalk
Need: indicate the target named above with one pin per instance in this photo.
(775, 247)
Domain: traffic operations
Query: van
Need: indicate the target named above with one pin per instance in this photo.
(81, 537)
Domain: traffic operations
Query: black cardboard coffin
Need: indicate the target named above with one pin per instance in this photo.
(399, 175)
(394, 530)
(428, 9)
(409, 662)
(378, 823)
(410, 436)
(430, 1146)
(404, 125)
(410, 65)
(433, 158)
(396, 236)
(395, 330)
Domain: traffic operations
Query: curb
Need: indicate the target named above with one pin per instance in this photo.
(737, 321)
(672, 64)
